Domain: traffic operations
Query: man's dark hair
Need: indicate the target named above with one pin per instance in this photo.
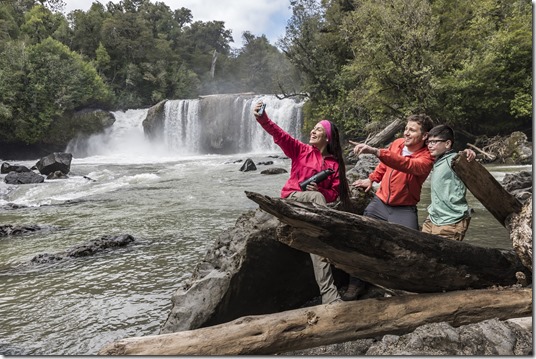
(444, 132)
(423, 120)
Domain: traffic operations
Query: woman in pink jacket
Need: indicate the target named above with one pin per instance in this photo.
(323, 152)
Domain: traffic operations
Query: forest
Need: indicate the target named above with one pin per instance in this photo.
(360, 63)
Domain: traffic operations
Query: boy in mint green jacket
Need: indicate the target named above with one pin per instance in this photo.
(448, 213)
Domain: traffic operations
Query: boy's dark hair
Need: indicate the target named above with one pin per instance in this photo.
(444, 132)
(423, 120)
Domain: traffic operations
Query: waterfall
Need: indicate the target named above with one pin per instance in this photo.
(215, 124)
(181, 128)
(225, 124)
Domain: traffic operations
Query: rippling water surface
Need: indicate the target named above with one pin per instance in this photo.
(174, 207)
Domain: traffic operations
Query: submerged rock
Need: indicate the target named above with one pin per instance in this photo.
(87, 249)
(273, 171)
(12, 230)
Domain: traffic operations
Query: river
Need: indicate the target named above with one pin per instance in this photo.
(175, 205)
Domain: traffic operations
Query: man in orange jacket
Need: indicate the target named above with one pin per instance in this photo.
(403, 168)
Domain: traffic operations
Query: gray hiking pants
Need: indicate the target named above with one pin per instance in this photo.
(322, 269)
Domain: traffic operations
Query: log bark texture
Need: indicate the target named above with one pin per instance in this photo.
(387, 254)
(332, 323)
(521, 233)
(486, 189)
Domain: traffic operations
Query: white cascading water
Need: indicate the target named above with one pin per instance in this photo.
(181, 128)
(228, 126)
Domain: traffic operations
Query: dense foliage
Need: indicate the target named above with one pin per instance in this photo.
(127, 55)
(466, 63)
(358, 62)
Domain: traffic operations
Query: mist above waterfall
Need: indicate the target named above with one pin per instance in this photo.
(215, 124)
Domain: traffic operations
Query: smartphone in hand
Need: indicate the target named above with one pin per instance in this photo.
(261, 110)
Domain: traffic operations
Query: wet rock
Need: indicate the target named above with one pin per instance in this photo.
(87, 249)
(273, 171)
(23, 178)
(153, 124)
(47, 258)
(11, 230)
(265, 163)
(57, 175)
(249, 165)
(6, 168)
(57, 161)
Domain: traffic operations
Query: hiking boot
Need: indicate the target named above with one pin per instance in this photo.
(353, 292)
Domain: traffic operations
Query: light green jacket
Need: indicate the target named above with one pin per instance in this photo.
(447, 193)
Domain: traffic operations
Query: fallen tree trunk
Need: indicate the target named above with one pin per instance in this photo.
(382, 137)
(486, 189)
(333, 323)
(387, 254)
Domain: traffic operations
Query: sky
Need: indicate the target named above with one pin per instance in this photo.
(268, 17)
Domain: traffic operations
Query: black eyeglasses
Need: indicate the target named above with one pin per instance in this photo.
(434, 142)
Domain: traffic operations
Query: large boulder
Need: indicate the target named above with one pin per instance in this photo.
(153, 125)
(57, 161)
(246, 272)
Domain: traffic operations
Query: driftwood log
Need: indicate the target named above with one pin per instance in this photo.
(507, 209)
(486, 189)
(386, 134)
(387, 254)
(332, 323)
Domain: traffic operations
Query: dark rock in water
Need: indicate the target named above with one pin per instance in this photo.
(57, 175)
(87, 249)
(265, 163)
(6, 168)
(99, 245)
(247, 272)
(273, 171)
(11, 230)
(23, 178)
(47, 258)
(249, 165)
(57, 161)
